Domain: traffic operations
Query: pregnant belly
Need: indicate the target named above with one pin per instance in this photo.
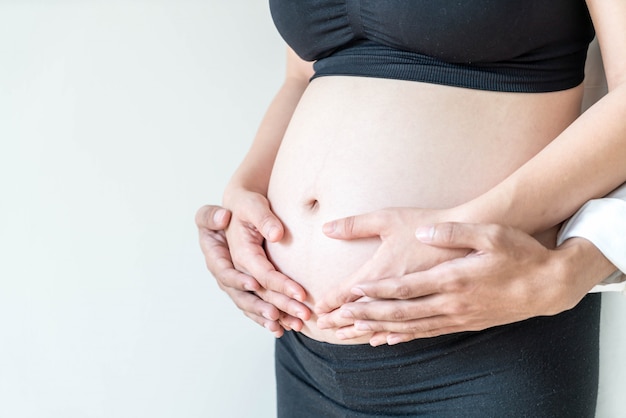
(357, 145)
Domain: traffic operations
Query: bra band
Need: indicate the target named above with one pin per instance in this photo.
(368, 59)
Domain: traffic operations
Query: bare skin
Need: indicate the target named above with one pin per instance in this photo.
(347, 140)
(501, 193)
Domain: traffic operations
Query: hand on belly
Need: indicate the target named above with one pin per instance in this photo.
(328, 269)
(399, 253)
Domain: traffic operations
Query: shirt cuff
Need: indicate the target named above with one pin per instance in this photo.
(603, 223)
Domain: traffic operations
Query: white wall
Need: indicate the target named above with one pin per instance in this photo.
(117, 120)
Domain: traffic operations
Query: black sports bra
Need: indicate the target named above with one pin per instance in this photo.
(502, 45)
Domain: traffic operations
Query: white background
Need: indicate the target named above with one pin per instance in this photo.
(117, 120)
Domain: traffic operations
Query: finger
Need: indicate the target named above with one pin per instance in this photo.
(378, 339)
(272, 326)
(290, 323)
(286, 305)
(444, 317)
(350, 333)
(410, 286)
(334, 319)
(259, 267)
(397, 311)
(422, 327)
(250, 303)
(212, 217)
(218, 261)
(360, 226)
(263, 219)
(273, 280)
(264, 312)
(245, 299)
(249, 256)
(370, 271)
(458, 235)
(393, 338)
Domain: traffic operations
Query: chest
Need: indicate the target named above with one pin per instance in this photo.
(455, 31)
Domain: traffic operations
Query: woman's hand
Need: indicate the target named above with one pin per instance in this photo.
(398, 254)
(507, 277)
(262, 299)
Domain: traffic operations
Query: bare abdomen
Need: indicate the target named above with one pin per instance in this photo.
(356, 145)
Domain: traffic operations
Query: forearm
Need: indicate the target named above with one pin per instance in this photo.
(254, 171)
(585, 161)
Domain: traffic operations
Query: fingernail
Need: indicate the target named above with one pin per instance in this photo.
(392, 339)
(219, 215)
(425, 233)
(378, 341)
(329, 228)
(270, 232)
(340, 335)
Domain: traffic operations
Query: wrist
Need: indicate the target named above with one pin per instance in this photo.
(497, 208)
(236, 189)
(468, 213)
(582, 265)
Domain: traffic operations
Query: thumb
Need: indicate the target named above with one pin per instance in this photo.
(214, 218)
(265, 221)
(360, 226)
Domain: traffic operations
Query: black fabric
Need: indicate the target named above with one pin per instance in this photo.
(542, 367)
(512, 45)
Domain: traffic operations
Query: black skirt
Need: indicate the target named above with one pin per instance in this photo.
(541, 367)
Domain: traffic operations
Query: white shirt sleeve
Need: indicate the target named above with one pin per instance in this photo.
(603, 222)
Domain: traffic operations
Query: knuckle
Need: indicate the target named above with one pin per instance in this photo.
(387, 215)
(413, 327)
(349, 225)
(291, 307)
(201, 216)
(457, 308)
(386, 219)
(224, 278)
(398, 314)
(238, 261)
(403, 291)
(242, 303)
(495, 235)
(266, 220)
(446, 233)
(255, 318)
(215, 264)
(363, 314)
(430, 333)
(274, 281)
(457, 285)
(205, 218)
